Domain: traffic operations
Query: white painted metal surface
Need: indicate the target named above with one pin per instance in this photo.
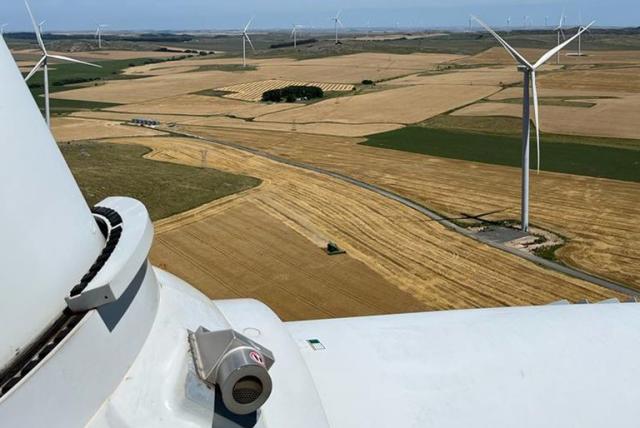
(48, 238)
(162, 390)
(550, 366)
(132, 250)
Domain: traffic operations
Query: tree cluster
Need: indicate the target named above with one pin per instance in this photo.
(291, 94)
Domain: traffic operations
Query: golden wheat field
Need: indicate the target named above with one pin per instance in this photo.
(439, 268)
(593, 213)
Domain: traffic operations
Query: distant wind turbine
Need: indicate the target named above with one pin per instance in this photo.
(245, 39)
(509, 23)
(560, 31)
(99, 34)
(294, 35)
(2, 27)
(336, 21)
(44, 64)
(529, 71)
(41, 26)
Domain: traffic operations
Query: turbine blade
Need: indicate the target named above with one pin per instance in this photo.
(35, 69)
(248, 24)
(536, 115)
(246, 37)
(561, 46)
(35, 28)
(65, 58)
(514, 53)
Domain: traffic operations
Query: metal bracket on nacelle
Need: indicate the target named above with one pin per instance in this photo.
(125, 261)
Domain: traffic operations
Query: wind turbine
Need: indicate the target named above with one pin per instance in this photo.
(294, 34)
(44, 64)
(2, 27)
(529, 71)
(41, 26)
(509, 23)
(245, 39)
(560, 31)
(580, 38)
(336, 20)
(99, 34)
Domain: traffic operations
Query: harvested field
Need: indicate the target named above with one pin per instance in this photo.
(486, 76)
(516, 92)
(497, 55)
(126, 117)
(401, 105)
(438, 267)
(253, 91)
(338, 129)
(615, 117)
(156, 87)
(347, 69)
(236, 249)
(595, 214)
(201, 105)
(624, 80)
(75, 129)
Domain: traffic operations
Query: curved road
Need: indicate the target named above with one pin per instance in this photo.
(425, 211)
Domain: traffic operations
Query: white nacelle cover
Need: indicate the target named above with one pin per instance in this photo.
(49, 238)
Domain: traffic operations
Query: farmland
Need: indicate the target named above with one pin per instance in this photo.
(602, 161)
(436, 266)
(103, 170)
(447, 105)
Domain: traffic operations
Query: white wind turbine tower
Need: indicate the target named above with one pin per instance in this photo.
(44, 64)
(529, 71)
(99, 34)
(509, 23)
(560, 31)
(336, 21)
(294, 35)
(245, 39)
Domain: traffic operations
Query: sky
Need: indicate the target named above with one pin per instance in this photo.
(76, 15)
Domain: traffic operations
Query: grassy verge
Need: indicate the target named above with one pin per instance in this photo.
(104, 169)
(59, 107)
(557, 156)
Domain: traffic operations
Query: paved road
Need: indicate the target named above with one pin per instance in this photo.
(425, 211)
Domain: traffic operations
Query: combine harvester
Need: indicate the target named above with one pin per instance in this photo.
(94, 336)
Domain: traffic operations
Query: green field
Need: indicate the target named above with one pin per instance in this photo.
(557, 155)
(103, 170)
